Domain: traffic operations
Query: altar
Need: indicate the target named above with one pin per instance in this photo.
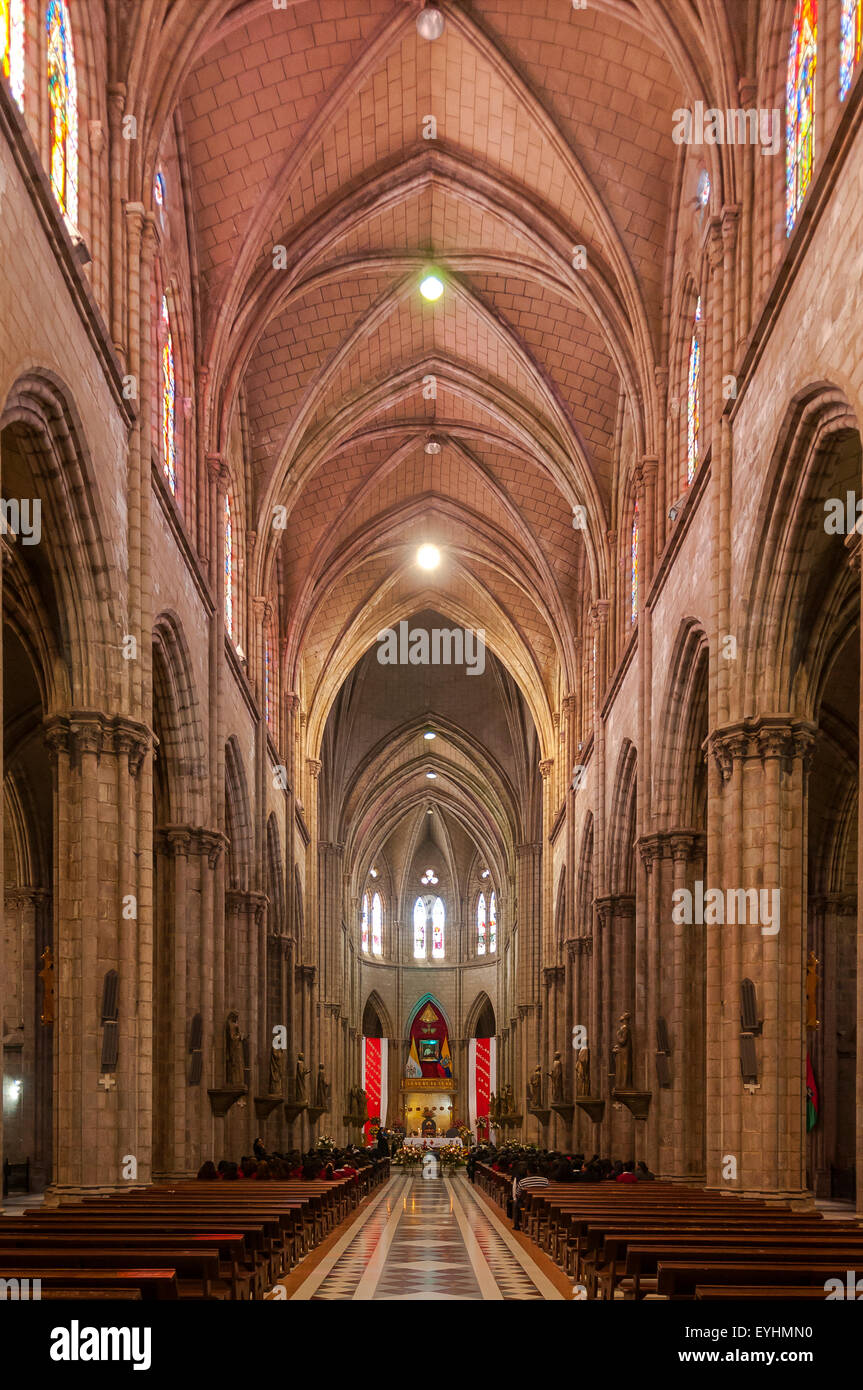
(438, 1141)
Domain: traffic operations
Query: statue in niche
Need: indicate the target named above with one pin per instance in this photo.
(622, 1052)
(507, 1104)
(302, 1071)
(235, 1059)
(536, 1088)
(46, 975)
(582, 1072)
(493, 1109)
(277, 1071)
(352, 1103)
(556, 1075)
(322, 1089)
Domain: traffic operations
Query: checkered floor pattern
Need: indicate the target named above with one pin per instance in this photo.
(427, 1240)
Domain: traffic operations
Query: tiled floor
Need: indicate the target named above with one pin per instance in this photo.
(427, 1239)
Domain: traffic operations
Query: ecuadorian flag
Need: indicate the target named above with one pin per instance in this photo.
(413, 1067)
(446, 1059)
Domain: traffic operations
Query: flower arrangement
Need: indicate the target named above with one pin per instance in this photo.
(450, 1155)
(325, 1144)
(408, 1157)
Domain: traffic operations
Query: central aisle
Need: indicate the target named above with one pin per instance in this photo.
(427, 1239)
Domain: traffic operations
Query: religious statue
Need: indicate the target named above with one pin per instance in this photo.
(235, 1058)
(363, 1106)
(811, 990)
(46, 975)
(582, 1072)
(507, 1105)
(556, 1075)
(322, 1090)
(622, 1052)
(352, 1103)
(277, 1071)
(302, 1071)
(493, 1109)
(536, 1088)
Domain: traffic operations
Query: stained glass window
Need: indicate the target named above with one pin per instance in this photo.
(419, 929)
(438, 920)
(169, 447)
(12, 47)
(481, 923)
(63, 96)
(704, 189)
(377, 925)
(229, 566)
(693, 382)
(492, 925)
(159, 189)
(800, 108)
(850, 42)
(365, 927)
(633, 568)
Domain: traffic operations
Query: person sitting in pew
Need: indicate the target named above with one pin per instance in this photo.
(628, 1172)
(644, 1174)
(530, 1179)
(207, 1172)
(262, 1172)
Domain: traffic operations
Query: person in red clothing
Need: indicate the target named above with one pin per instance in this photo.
(628, 1174)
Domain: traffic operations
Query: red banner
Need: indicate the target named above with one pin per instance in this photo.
(483, 1075)
(372, 1079)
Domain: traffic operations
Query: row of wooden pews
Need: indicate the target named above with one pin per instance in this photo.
(630, 1240)
(194, 1240)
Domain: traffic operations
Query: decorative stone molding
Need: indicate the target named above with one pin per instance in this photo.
(314, 766)
(545, 767)
(782, 736)
(614, 905)
(838, 904)
(92, 731)
(671, 844)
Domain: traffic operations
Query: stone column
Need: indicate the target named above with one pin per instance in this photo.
(768, 758)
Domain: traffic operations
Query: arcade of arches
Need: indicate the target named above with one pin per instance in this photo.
(396, 677)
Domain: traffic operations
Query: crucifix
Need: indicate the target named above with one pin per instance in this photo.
(107, 1081)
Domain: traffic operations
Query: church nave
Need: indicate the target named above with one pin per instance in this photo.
(427, 1240)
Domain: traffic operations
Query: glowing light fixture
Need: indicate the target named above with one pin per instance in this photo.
(431, 287)
(373, 872)
(428, 557)
(431, 775)
(430, 23)
(432, 445)
(429, 734)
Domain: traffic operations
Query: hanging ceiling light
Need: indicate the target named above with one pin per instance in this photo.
(428, 557)
(431, 287)
(431, 775)
(433, 445)
(430, 23)
(429, 735)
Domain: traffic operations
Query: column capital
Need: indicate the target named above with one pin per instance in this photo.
(314, 766)
(545, 767)
(782, 736)
(598, 611)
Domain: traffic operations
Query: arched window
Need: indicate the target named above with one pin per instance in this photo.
(693, 384)
(481, 924)
(169, 394)
(492, 925)
(438, 922)
(633, 567)
(365, 925)
(800, 108)
(850, 42)
(229, 566)
(159, 189)
(419, 929)
(12, 47)
(703, 189)
(63, 97)
(377, 925)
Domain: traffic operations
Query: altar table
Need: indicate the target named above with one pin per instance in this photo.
(416, 1141)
